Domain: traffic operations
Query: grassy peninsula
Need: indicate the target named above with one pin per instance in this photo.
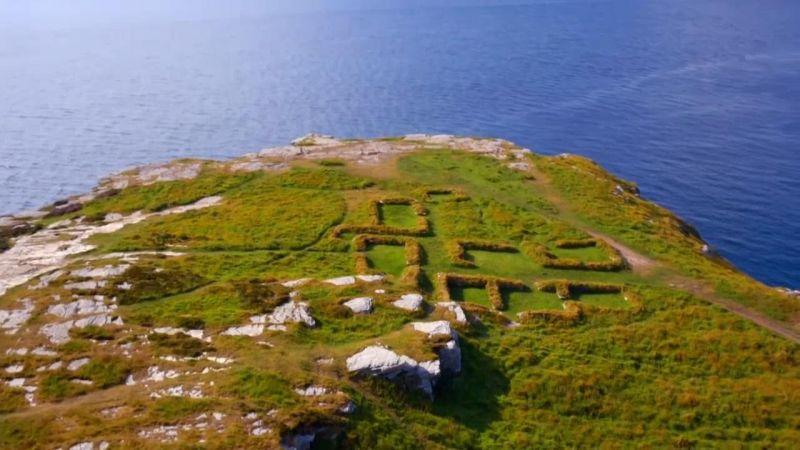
(412, 292)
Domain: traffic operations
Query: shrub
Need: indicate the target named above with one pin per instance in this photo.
(106, 371)
(547, 259)
(413, 251)
(495, 296)
(634, 299)
(457, 250)
(575, 243)
(412, 275)
(442, 289)
(458, 196)
(418, 208)
(191, 323)
(422, 229)
(570, 289)
(11, 399)
(261, 295)
(573, 312)
(331, 162)
(148, 282)
(362, 263)
(179, 344)
(58, 386)
(93, 332)
(493, 286)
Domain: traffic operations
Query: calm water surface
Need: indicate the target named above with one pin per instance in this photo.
(697, 101)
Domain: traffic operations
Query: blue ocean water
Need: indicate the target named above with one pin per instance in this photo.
(697, 101)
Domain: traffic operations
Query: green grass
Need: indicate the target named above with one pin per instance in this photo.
(512, 265)
(472, 295)
(276, 219)
(590, 192)
(398, 216)
(613, 301)
(218, 306)
(518, 302)
(389, 259)
(477, 175)
(261, 389)
(581, 254)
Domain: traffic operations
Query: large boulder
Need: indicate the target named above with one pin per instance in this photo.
(449, 352)
(378, 360)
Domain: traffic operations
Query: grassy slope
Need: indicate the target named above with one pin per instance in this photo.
(589, 192)
(680, 372)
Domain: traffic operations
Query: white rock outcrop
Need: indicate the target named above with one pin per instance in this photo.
(360, 305)
(48, 249)
(81, 307)
(377, 360)
(438, 328)
(12, 319)
(455, 309)
(58, 333)
(312, 391)
(409, 302)
(296, 312)
(342, 281)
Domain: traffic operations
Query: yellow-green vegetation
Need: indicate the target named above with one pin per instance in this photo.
(568, 345)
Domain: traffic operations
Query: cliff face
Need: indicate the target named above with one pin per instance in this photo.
(423, 290)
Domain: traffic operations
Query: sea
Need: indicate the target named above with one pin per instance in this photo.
(696, 101)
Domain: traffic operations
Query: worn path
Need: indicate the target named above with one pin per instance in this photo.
(645, 265)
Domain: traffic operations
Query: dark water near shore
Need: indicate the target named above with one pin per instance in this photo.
(697, 101)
